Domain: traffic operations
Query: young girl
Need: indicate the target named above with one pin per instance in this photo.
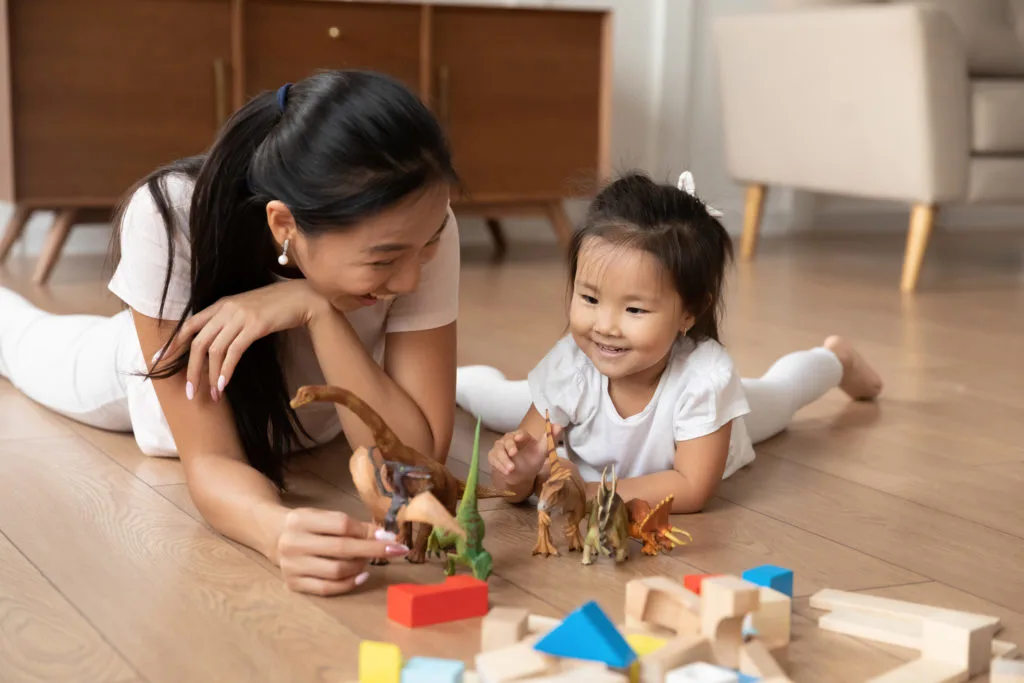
(313, 243)
(642, 381)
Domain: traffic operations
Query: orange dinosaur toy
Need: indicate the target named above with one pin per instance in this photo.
(563, 490)
(652, 527)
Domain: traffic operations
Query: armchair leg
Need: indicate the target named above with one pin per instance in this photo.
(752, 220)
(922, 218)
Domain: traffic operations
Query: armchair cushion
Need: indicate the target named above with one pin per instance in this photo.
(997, 109)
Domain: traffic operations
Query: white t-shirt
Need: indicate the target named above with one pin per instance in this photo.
(698, 393)
(139, 279)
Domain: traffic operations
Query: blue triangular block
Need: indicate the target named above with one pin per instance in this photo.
(588, 634)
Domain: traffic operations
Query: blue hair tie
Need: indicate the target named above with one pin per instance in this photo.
(282, 96)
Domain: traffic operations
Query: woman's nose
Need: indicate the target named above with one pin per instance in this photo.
(406, 281)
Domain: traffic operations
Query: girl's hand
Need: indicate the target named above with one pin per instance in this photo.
(520, 456)
(221, 333)
(325, 553)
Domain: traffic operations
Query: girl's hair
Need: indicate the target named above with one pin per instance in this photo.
(335, 148)
(674, 226)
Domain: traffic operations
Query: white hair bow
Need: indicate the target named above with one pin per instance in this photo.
(687, 185)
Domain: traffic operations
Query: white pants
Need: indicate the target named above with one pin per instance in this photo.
(792, 382)
(71, 364)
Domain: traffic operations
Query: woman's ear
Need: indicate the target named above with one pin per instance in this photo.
(281, 222)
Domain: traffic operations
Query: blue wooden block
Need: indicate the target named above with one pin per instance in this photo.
(430, 670)
(746, 679)
(588, 634)
(779, 578)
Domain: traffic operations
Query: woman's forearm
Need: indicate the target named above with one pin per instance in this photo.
(238, 502)
(345, 362)
(686, 496)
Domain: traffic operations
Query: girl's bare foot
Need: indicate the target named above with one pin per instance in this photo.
(860, 381)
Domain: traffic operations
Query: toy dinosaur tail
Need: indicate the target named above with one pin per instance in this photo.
(385, 439)
(468, 490)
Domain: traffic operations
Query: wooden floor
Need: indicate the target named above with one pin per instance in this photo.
(107, 573)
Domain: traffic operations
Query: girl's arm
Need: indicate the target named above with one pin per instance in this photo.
(699, 465)
(414, 392)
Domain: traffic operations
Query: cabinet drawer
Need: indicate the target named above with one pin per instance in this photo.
(287, 40)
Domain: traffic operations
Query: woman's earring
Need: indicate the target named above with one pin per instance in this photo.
(283, 258)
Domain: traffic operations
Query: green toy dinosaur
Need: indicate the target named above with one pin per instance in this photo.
(469, 551)
(608, 524)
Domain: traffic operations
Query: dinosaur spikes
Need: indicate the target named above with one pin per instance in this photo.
(670, 536)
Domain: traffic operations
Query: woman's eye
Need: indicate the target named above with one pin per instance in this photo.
(589, 299)
(383, 264)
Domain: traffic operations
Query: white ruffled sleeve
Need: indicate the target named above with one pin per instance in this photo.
(714, 397)
(559, 383)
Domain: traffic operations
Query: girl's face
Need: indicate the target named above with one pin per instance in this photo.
(625, 313)
(379, 258)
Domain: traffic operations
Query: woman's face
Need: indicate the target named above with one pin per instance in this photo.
(378, 258)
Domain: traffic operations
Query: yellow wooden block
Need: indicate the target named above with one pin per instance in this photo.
(379, 662)
(642, 645)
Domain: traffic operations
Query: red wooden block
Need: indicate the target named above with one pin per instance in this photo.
(459, 597)
(693, 581)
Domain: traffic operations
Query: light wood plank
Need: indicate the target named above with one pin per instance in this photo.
(42, 636)
(176, 600)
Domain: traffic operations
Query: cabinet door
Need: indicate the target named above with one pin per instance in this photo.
(104, 91)
(520, 93)
(287, 40)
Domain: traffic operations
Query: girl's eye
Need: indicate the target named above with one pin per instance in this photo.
(589, 299)
(635, 311)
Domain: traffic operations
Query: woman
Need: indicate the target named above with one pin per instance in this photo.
(313, 243)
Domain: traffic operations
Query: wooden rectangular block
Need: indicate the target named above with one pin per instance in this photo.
(922, 671)
(755, 660)
(962, 640)
(459, 597)
(831, 599)
(379, 662)
(513, 663)
(1006, 671)
(503, 626)
(654, 667)
(773, 618)
(662, 602)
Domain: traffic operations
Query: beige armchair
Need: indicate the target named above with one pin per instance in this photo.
(919, 101)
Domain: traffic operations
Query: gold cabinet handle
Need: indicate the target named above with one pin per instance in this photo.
(220, 80)
(442, 94)
(334, 32)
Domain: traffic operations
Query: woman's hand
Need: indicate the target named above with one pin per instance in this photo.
(325, 553)
(222, 332)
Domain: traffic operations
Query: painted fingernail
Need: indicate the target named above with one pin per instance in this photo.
(213, 393)
(221, 383)
(190, 391)
(362, 578)
(396, 550)
(382, 535)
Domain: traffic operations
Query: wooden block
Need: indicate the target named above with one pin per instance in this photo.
(874, 626)
(693, 582)
(683, 650)
(1005, 650)
(662, 602)
(583, 675)
(1006, 671)
(961, 640)
(773, 618)
(829, 599)
(725, 601)
(459, 597)
(503, 626)
(379, 662)
(702, 672)
(755, 660)
(536, 623)
(513, 663)
(923, 671)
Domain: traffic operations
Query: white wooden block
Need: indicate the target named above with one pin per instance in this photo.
(503, 626)
(961, 640)
(1005, 650)
(830, 599)
(923, 671)
(702, 672)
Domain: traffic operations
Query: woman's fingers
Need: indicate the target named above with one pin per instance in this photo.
(219, 348)
(329, 569)
(197, 355)
(234, 353)
(324, 587)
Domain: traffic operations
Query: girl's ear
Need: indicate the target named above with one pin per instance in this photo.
(281, 222)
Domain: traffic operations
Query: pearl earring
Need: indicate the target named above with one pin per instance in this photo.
(283, 258)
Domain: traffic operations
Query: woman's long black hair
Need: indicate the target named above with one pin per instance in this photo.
(335, 148)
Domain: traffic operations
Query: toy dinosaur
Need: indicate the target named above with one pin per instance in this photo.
(652, 527)
(399, 492)
(445, 487)
(423, 508)
(469, 547)
(608, 527)
(563, 490)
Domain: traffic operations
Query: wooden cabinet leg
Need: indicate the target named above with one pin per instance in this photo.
(752, 217)
(15, 227)
(922, 219)
(561, 223)
(65, 220)
(498, 235)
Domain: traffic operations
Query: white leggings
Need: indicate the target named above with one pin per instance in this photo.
(71, 364)
(791, 383)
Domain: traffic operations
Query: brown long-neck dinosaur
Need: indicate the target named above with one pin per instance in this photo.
(443, 484)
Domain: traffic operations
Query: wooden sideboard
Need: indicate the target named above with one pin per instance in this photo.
(96, 93)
